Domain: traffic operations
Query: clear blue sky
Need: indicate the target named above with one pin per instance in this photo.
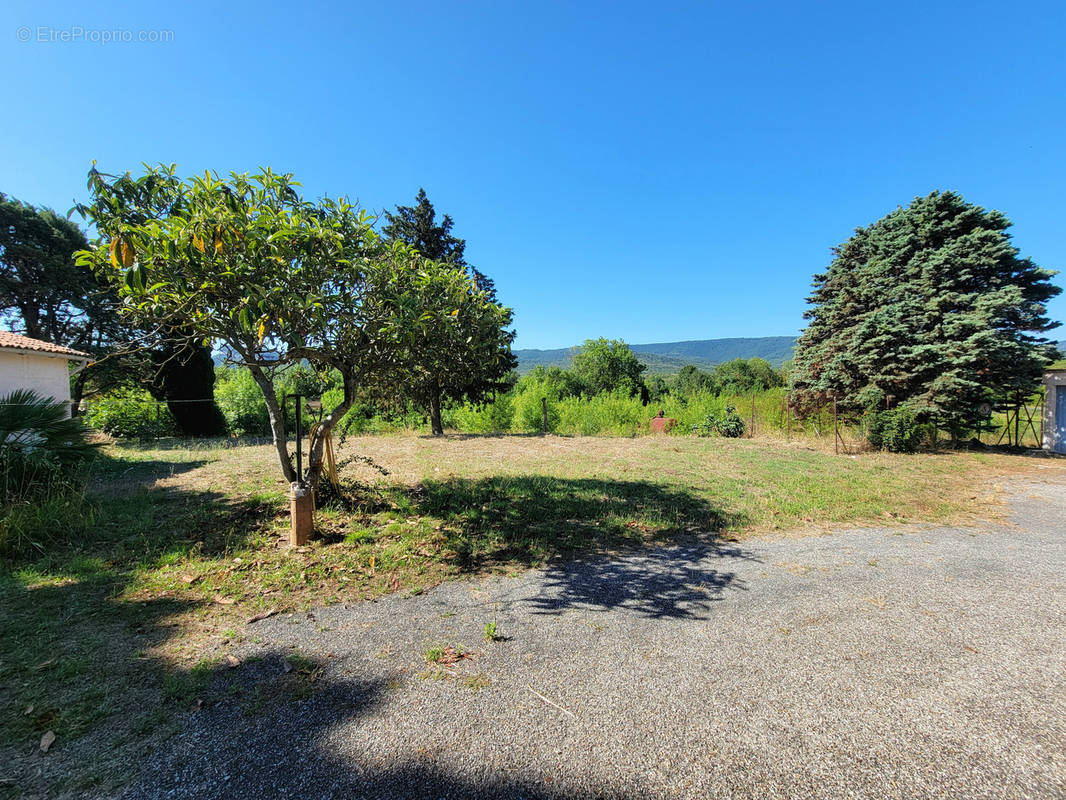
(643, 171)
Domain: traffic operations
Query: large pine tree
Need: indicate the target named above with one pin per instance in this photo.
(932, 307)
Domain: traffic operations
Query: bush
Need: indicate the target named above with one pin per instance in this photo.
(40, 446)
(726, 423)
(241, 401)
(896, 430)
(43, 454)
(492, 417)
(130, 413)
(609, 413)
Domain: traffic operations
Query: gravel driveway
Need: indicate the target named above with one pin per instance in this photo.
(871, 663)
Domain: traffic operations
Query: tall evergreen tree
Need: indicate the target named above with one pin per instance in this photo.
(933, 307)
(468, 358)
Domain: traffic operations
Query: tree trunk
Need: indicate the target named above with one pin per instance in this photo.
(316, 456)
(434, 412)
(277, 422)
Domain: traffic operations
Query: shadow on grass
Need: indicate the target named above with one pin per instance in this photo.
(544, 521)
(531, 520)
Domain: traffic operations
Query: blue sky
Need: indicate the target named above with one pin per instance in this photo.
(642, 171)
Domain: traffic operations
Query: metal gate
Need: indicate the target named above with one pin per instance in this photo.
(1059, 445)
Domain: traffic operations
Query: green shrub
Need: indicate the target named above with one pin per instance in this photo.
(130, 413)
(609, 413)
(726, 423)
(496, 416)
(40, 446)
(241, 401)
(43, 455)
(896, 430)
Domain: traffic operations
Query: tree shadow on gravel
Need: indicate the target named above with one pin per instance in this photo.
(279, 731)
(669, 582)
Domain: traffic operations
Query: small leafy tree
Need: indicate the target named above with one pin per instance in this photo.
(466, 353)
(603, 365)
(245, 262)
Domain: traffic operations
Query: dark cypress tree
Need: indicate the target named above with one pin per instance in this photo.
(932, 307)
(185, 379)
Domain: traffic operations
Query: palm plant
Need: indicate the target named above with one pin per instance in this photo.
(41, 448)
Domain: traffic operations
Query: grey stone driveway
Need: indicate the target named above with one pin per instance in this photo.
(868, 663)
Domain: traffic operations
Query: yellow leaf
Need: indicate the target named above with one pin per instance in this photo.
(262, 331)
(198, 242)
(126, 252)
(114, 255)
(455, 313)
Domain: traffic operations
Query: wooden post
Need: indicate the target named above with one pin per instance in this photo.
(544, 416)
(836, 434)
(301, 509)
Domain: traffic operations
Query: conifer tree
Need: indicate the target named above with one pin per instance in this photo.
(932, 307)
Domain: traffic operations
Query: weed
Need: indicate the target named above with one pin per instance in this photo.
(433, 655)
(476, 682)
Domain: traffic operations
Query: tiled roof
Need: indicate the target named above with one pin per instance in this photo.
(16, 342)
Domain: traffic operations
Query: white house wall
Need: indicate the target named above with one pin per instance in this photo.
(46, 375)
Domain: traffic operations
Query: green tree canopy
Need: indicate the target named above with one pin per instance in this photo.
(743, 375)
(603, 365)
(466, 354)
(932, 306)
(244, 261)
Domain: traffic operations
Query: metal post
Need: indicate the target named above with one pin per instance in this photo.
(1043, 411)
(299, 441)
(836, 434)
(301, 501)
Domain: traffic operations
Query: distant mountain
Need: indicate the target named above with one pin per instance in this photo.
(668, 357)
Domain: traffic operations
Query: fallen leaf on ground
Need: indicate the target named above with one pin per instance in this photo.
(187, 578)
(263, 615)
(232, 661)
(47, 741)
(452, 655)
(224, 601)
